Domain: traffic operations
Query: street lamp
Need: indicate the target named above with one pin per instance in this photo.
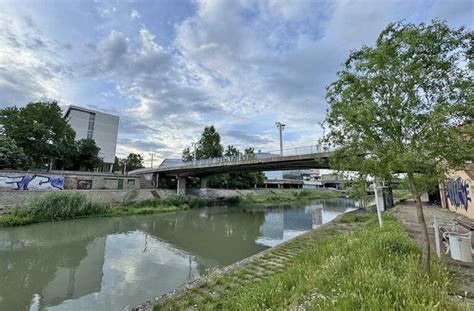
(195, 149)
(152, 155)
(280, 127)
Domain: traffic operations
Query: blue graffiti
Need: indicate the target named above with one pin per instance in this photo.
(23, 182)
(55, 181)
(457, 191)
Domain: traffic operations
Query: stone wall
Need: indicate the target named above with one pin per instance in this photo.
(67, 180)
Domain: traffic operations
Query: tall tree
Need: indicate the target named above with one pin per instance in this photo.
(231, 151)
(187, 155)
(134, 161)
(40, 129)
(209, 146)
(12, 156)
(397, 107)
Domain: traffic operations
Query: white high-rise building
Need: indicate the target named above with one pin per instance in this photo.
(100, 126)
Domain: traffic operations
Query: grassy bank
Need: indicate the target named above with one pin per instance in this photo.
(368, 268)
(289, 196)
(57, 205)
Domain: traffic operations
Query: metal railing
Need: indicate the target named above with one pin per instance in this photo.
(275, 154)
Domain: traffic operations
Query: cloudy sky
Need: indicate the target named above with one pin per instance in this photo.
(170, 67)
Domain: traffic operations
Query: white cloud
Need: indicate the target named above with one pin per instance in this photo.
(135, 14)
(240, 65)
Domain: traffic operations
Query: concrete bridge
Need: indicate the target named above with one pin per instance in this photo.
(291, 159)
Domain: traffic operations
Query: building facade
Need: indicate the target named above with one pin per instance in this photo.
(100, 126)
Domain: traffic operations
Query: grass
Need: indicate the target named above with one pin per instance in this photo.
(292, 196)
(58, 205)
(368, 268)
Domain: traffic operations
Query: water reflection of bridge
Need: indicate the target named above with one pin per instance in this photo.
(69, 260)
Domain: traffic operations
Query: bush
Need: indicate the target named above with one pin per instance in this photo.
(233, 200)
(59, 205)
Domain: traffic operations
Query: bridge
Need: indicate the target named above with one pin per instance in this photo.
(306, 157)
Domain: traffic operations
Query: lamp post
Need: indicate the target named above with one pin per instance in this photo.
(152, 155)
(280, 127)
(194, 152)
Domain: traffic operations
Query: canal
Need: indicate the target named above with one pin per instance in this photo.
(111, 263)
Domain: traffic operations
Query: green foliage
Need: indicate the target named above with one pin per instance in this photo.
(397, 107)
(86, 156)
(133, 161)
(209, 146)
(53, 206)
(12, 156)
(187, 155)
(371, 268)
(40, 130)
(231, 151)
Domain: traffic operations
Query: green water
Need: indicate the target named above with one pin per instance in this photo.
(111, 263)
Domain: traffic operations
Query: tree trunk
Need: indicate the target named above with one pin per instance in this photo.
(425, 253)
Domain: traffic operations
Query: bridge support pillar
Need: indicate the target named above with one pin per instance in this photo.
(204, 182)
(181, 185)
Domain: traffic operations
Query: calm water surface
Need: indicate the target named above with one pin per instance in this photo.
(111, 263)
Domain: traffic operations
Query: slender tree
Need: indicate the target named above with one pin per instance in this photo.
(397, 107)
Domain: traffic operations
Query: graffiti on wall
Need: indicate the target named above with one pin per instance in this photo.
(32, 182)
(457, 191)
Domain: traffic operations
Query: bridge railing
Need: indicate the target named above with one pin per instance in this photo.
(254, 156)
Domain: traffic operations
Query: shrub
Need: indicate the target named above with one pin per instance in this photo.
(59, 205)
(233, 200)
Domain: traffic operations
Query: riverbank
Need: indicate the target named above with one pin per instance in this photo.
(349, 263)
(59, 205)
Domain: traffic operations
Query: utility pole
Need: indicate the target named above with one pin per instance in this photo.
(280, 127)
(195, 149)
(152, 154)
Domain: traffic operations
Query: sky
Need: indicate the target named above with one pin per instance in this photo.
(169, 68)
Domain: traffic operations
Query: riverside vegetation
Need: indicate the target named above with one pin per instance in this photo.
(59, 205)
(350, 264)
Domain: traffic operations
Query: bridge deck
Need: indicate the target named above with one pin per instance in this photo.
(221, 165)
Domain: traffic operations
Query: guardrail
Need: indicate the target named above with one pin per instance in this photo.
(268, 155)
(276, 154)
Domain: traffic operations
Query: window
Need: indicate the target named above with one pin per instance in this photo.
(90, 128)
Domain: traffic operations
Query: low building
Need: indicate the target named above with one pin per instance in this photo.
(100, 126)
